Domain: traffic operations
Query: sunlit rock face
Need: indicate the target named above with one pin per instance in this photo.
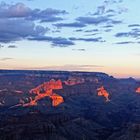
(138, 90)
(52, 84)
(46, 90)
(56, 99)
(102, 92)
(74, 81)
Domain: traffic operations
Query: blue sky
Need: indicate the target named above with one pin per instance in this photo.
(85, 35)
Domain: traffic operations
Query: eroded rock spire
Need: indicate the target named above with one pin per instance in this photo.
(103, 92)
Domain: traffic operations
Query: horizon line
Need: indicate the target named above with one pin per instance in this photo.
(118, 77)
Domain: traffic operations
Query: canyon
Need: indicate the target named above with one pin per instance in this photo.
(57, 105)
(47, 90)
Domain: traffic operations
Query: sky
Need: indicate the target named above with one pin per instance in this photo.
(79, 35)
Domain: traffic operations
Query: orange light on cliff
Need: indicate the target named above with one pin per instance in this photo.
(52, 84)
(138, 90)
(56, 99)
(44, 90)
(102, 92)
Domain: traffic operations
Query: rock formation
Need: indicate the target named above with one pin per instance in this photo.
(56, 99)
(46, 90)
(52, 84)
(138, 90)
(74, 81)
(102, 92)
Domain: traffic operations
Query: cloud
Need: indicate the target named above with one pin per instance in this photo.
(100, 10)
(62, 42)
(31, 25)
(123, 34)
(134, 33)
(98, 20)
(48, 15)
(113, 1)
(108, 26)
(73, 25)
(125, 42)
(18, 22)
(14, 11)
(9, 31)
(98, 39)
(12, 46)
(79, 50)
(5, 59)
(51, 19)
(71, 67)
(20, 10)
(91, 34)
(122, 10)
(50, 12)
(92, 20)
(56, 31)
(134, 25)
(1, 46)
(79, 30)
(104, 8)
(108, 30)
(93, 30)
(56, 41)
(110, 11)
